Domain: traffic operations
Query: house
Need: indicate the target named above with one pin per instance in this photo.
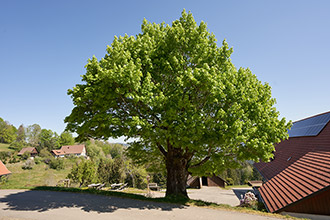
(76, 150)
(32, 150)
(3, 170)
(298, 177)
(198, 182)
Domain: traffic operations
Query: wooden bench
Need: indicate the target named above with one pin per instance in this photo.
(153, 186)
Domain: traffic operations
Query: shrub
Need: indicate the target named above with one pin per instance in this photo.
(44, 153)
(83, 173)
(4, 156)
(230, 181)
(26, 155)
(37, 160)
(28, 165)
(56, 164)
(14, 159)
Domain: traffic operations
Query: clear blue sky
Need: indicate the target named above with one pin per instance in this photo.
(44, 46)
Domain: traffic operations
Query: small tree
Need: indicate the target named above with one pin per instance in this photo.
(56, 163)
(66, 139)
(111, 171)
(83, 173)
(28, 165)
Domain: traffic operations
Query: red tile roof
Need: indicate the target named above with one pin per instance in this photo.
(301, 167)
(305, 176)
(28, 149)
(3, 169)
(69, 149)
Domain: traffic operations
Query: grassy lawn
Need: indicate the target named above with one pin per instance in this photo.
(5, 147)
(40, 175)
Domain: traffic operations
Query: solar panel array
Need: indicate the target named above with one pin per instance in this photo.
(310, 126)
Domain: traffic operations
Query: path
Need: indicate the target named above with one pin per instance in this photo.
(21, 204)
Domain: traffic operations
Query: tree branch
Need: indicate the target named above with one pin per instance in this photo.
(162, 150)
(204, 160)
(201, 162)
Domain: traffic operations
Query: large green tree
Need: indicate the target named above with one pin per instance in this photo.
(7, 132)
(176, 91)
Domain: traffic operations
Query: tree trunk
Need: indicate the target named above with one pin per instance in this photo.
(177, 173)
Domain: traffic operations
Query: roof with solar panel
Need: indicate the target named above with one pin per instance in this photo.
(310, 126)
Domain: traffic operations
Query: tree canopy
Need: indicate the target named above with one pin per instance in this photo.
(175, 90)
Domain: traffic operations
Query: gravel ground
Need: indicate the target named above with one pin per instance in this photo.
(20, 204)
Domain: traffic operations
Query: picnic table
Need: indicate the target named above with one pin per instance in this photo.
(118, 186)
(96, 185)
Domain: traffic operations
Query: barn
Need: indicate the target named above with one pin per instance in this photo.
(298, 177)
(198, 182)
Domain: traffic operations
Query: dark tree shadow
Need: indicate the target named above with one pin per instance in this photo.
(42, 201)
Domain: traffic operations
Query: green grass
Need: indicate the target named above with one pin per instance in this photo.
(40, 175)
(237, 186)
(173, 200)
(5, 147)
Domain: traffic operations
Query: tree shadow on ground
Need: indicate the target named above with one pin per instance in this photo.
(42, 201)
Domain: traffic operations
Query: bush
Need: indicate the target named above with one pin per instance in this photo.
(14, 159)
(28, 165)
(26, 155)
(56, 164)
(4, 156)
(37, 160)
(230, 181)
(44, 153)
(83, 173)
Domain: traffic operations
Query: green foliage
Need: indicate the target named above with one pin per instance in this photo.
(56, 163)
(37, 160)
(48, 140)
(26, 155)
(14, 159)
(33, 135)
(240, 175)
(17, 145)
(178, 93)
(111, 171)
(5, 155)
(83, 173)
(66, 138)
(7, 132)
(44, 153)
(94, 151)
(135, 176)
(28, 165)
(21, 136)
(230, 181)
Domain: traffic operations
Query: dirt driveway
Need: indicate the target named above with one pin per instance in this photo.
(20, 204)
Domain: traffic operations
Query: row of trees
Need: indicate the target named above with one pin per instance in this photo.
(32, 135)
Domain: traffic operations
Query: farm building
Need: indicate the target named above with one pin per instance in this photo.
(298, 177)
(32, 150)
(198, 182)
(3, 170)
(76, 150)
